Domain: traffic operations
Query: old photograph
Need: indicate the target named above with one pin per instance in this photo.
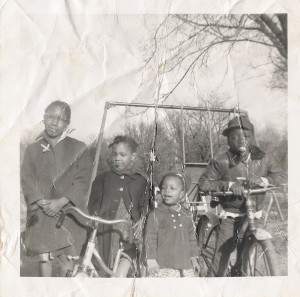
(177, 168)
(149, 148)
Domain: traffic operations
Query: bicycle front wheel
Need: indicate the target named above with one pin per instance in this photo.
(259, 258)
(207, 242)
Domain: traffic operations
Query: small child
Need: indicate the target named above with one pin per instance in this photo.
(171, 246)
(119, 194)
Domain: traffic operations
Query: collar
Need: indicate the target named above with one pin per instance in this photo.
(131, 172)
(44, 136)
(255, 153)
(167, 208)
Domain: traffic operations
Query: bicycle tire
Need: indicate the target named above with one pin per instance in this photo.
(259, 258)
(206, 240)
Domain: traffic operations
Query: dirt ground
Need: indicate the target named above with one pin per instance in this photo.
(279, 231)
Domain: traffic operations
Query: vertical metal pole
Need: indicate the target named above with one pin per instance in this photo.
(97, 155)
(183, 138)
(210, 134)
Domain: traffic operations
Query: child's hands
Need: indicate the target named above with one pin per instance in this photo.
(43, 203)
(153, 267)
(237, 189)
(255, 181)
(52, 207)
(196, 265)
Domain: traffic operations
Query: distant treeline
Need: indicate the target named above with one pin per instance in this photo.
(169, 146)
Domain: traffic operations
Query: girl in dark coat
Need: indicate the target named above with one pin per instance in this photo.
(119, 194)
(171, 246)
(56, 171)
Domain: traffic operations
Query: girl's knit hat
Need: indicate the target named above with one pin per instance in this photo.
(186, 180)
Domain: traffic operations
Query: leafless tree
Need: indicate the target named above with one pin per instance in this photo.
(275, 144)
(182, 44)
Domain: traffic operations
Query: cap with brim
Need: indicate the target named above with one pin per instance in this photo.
(239, 122)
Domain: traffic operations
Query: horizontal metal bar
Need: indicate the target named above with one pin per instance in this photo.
(163, 106)
(194, 203)
(196, 164)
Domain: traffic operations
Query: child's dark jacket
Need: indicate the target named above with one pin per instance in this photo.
(110, 187)
(171, 238)
(224, 169)
(51, 173)
(107, 191)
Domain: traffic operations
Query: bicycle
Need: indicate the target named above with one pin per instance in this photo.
(85, 268)
(257, 256)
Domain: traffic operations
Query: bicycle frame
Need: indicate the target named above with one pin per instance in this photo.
(86, 267)
(248, 229)
(258, 233)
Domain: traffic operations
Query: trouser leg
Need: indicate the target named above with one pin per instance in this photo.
(45, 269)
(123, 268)
(63, 265)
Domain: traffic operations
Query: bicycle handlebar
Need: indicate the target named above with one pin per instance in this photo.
(73, 209)
(249, 191)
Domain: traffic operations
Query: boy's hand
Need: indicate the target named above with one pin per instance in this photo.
(237, 189)
(196, 265)
(53, 207)
(153, 267)
(255, 181)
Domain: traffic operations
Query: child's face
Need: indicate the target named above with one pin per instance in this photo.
(122, 155)
(238, 140)
(56, 121)
(172, 190)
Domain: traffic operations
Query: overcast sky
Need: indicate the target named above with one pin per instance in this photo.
(87, 61)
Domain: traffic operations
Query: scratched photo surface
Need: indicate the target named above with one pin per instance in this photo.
(174, 62)
(118, 113)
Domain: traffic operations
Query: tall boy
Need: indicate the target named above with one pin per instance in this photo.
(243, 160)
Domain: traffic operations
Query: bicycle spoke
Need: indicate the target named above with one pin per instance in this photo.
(266, 263)
(206, 241)
(258, 263)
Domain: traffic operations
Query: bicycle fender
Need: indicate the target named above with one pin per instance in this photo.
(213, 218)
(262, 234)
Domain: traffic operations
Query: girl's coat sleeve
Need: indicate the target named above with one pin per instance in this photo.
(29, 181)
(81, 180)
(96, 195)
(151, 236)
(144, 198)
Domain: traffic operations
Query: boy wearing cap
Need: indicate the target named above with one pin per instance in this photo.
(244, 161)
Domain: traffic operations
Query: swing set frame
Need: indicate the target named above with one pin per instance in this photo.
(198, 203)
(111, 104)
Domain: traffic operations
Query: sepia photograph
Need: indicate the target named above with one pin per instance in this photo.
(186, 177)
(149, 147)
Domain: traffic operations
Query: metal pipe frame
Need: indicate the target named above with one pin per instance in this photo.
(179, 107)
(110, 104)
